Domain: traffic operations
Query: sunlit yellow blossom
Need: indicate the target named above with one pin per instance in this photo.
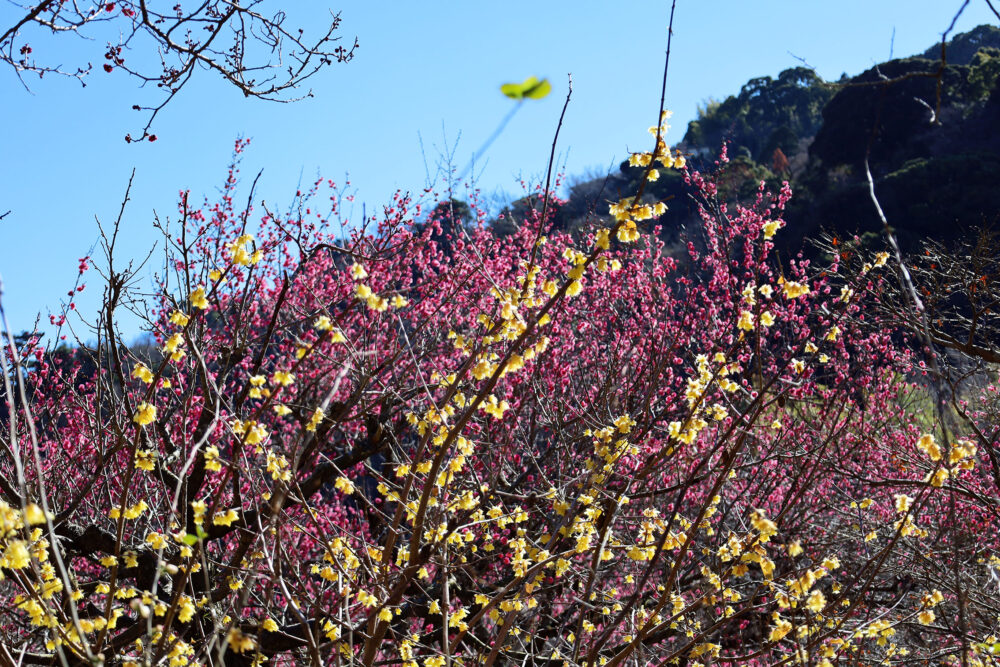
(628, 232)
(33, 515)
(212, 463)
(903, 502)
(771, 228)
(226, 518)
(136, 510)
(358, 272)
(780, 628)
(16, 556)
(344, 485)
(938, 477)
(142, 373)
(179, 318)
(816, 602)
(144, 414)
(764, 526)
(793, 290)
(377, 303)
(144, 459)
(240, 642)
(198, 298)
(283, 378)
(172, 347)
(255, 433)
(315, 420)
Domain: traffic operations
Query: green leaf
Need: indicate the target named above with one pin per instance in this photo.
(190, 539)
(540, 90)
(530, 87)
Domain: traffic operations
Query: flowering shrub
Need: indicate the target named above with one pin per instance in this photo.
(527, 449)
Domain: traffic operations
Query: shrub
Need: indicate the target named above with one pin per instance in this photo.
(528, 449)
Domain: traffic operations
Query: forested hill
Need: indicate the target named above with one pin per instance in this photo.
(932, 133)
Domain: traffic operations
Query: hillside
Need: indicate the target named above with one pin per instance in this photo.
(928, 128)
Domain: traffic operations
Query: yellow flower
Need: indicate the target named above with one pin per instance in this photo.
(33, 515)
(144, 414)
(928, 446)
(198, 299)
(212, 463)
(794, 290)
(628, 232)
(240, 642)
(746, 321)
(764, 526)
(939, 477)
(767, 319)
(173, 343)
(16, 556)
(358, 272)
(399, 301)
(377, 303)
(903, 502)
(781, 628)
(323, 323)
(142, 373)
(227, 518)
(315, 420)
(134, 511)
(926, 617)
(144, 459)
(179, 318)
(187, 609)
(344, 485)
(283, 378)
(771, 228)
(816, 602)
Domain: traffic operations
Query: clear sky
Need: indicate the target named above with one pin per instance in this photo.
(424, 70)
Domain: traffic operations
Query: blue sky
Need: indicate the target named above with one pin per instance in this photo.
(425, 73)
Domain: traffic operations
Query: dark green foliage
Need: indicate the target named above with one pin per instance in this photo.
(767, 114)
(929, 131)
(962, 48)
(885, 112)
